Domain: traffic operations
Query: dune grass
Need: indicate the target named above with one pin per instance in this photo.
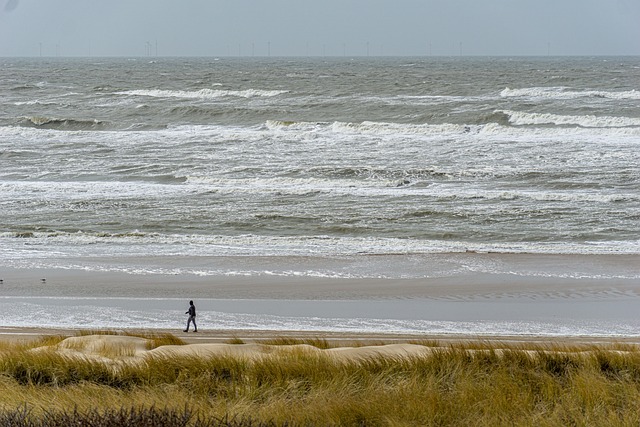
(323, 343)
(476, 385)
(235, 340)
(320, 343)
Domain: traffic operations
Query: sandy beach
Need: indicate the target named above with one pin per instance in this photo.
(582, 297)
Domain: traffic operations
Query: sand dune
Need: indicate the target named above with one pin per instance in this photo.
(120, 348)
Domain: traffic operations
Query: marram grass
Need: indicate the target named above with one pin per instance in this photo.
(452, 386)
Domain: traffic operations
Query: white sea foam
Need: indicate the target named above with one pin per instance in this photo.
(332, 133)
(372, 128)
(566, 93)
(203, 93)
(91, 190)
(37, 102)
(377, 128)
(594, 128)
(50, 250)
(374, 184)
(387, 187)
(425, 100)
(569, 131)
(589, 121)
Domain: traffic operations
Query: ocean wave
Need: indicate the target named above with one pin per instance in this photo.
(424, 100)
(573, 196)
(398, 176)
(29, 86)
(560, 132)
(104, 88)
(430, 185)
(135, 188)
(20, 154)
(498, 124)
(497, 117)
(298, 186)
(588, 121)
(560, 92)
(63, 245)
(389, 184)
(38, 102)
(373, 128)
(203, 93)
(380, 128)
(63, 124)
(289, 125)
(192, 111)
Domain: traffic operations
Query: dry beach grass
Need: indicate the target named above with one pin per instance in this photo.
(283, 381)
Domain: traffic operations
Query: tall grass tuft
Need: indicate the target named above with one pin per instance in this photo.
(158, 340)
(320, 343)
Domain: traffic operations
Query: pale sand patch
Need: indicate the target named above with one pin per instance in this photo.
(102, 348)
(116, 349)
(255, 351)
(248, 351)
(106, 345)
(390, 351)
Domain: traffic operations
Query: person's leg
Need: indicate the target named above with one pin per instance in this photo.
(192, 319)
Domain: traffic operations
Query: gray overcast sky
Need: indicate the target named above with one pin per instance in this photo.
(317, 28)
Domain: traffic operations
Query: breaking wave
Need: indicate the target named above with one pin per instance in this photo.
(63, 124)
(565, 93)
(587, 121)
(203, 93)
(375, 128)
(69, 245)
(499, 123)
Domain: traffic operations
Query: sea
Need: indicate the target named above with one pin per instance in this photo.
(108, 163)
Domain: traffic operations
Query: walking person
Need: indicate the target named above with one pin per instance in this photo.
(192, 317)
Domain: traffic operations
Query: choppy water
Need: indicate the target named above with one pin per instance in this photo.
(317, 157)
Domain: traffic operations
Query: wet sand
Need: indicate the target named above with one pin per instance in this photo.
(449, 276)
(549, 290)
